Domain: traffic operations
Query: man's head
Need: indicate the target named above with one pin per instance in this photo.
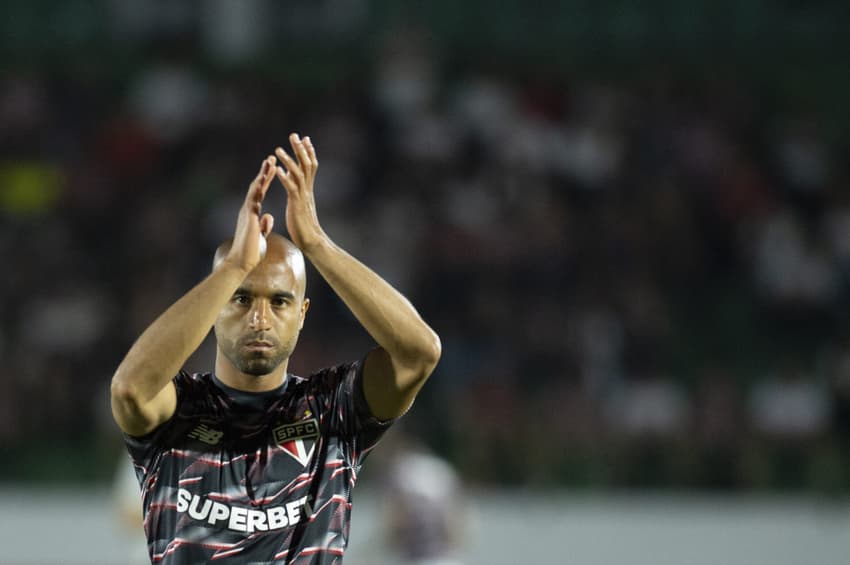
(258, 328)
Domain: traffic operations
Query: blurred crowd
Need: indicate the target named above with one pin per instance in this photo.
(637, 282)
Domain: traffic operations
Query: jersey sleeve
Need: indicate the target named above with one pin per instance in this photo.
(349, 413)
(144, 450)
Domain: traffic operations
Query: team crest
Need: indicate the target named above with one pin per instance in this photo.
(298, 439)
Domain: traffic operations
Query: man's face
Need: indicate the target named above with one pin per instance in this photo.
(258, 328)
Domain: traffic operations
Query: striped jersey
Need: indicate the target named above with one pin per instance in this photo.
(242, 477)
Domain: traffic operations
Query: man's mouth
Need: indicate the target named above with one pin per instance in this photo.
(258, 345)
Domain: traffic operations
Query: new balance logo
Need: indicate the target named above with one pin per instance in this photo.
(206, 435)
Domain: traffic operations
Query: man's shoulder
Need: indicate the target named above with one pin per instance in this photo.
(195, 380)
(328, 376)
(202, 377)
(194, 387)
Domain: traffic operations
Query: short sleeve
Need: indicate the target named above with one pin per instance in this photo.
(350, 415)
(145, 449)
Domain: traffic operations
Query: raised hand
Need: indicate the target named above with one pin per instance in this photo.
(297, 176)
(251, 225)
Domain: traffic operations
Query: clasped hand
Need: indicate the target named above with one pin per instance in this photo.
(297, 176)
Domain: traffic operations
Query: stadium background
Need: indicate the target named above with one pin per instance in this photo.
(629, 223)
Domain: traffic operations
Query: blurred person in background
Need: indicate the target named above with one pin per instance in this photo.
(425, 514)
(249, 461)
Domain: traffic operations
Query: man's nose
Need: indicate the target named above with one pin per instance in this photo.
(260, 320)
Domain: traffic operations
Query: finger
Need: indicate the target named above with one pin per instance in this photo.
(290, 164)
(255, 190)
(268, 176)
(266, 224)
(257, 179)
(311, 152)
(300, 150)
(286, 180)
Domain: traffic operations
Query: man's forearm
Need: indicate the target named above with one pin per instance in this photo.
(409, 348)
(167, 343)
(385, 313)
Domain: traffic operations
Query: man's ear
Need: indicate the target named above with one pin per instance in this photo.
(304, 307)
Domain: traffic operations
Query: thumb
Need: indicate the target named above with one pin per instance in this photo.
(266, 224)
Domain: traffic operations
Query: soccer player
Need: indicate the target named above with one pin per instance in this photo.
(251, 464)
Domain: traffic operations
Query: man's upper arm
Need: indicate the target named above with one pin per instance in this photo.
(390, 387)
(136, 418)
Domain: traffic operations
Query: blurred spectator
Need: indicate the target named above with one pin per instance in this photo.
(654, 407)
(790, 411)
(793, 271)
(424, 507)
(791, 406)
(169, 99)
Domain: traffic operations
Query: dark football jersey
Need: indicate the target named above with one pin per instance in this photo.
(244, 477)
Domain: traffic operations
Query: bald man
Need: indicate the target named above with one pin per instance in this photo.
(251, 464)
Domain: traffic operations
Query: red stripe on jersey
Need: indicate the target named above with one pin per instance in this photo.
(218, 555)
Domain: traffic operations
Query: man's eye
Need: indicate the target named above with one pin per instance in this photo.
(280, 302)
(241, 299)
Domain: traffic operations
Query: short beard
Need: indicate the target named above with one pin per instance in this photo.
(256, 365)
